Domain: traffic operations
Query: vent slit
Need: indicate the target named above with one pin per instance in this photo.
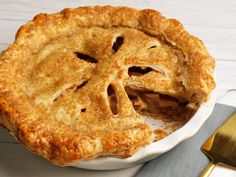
(83, 110)
(70, 90)
(86, 57)
(112, 98)
(117, 44)
(139, 71)
(154, 46)
(81, 85)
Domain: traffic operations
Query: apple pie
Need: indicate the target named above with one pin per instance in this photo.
(77, 84)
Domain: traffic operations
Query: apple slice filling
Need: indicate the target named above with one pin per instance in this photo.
(160, 106)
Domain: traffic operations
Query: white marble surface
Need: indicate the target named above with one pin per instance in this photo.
(214, 21)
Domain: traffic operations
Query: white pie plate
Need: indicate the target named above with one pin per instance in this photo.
(156, 148)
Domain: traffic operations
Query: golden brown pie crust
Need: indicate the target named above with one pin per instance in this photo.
(55, 101)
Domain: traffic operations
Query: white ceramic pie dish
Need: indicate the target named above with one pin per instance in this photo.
(156, 148)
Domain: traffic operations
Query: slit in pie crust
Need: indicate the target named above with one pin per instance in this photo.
(77, 84)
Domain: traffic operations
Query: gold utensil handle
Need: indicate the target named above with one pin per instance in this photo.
(207, 171)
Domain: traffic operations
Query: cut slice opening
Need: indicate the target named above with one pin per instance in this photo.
(157, 105)
(112, 98)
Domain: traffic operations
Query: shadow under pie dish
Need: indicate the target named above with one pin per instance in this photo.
(79, 84)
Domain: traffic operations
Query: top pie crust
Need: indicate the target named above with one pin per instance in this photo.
(54, 79)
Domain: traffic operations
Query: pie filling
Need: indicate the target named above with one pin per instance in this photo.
(157, 105)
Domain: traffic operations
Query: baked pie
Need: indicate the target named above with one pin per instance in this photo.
(77, 84)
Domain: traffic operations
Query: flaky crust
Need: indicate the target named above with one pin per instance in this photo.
(28, 113)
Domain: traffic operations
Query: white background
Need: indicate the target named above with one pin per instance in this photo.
(213, 21)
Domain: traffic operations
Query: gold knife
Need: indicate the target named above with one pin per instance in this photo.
(221, 146)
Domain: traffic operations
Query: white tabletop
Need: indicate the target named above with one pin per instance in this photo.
(213, 21)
